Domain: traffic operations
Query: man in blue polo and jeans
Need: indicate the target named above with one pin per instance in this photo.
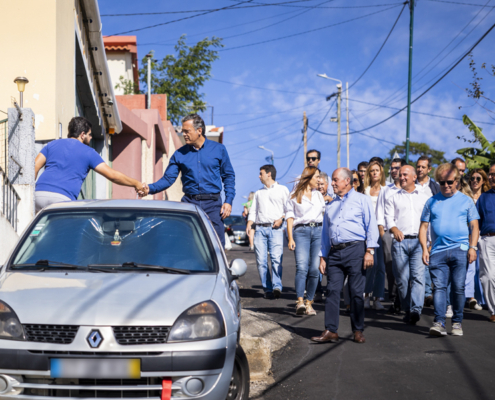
(455, 233)
(204, 165)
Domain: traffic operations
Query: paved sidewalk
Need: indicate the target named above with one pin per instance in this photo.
(397, 362)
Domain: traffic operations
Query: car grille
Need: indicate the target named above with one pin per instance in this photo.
(94, 388)
(131, 335)
(61, 334)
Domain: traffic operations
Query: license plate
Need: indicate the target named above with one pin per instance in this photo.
(95, 368)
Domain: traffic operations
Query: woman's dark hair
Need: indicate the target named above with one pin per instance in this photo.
(303, 183)
(360, 188)
(78, 125)
(270, 168)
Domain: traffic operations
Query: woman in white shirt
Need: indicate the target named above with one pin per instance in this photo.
(304, 214)
(374, 180)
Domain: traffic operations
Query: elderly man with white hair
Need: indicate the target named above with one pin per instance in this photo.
(349, 238)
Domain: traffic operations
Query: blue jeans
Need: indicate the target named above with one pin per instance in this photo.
(453, 263)
(409, 273)
(375, 277)
(308, 244)
(270, 240)
(428, 288)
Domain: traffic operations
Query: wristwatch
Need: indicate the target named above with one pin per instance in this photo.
(473, 247)
(371, 251)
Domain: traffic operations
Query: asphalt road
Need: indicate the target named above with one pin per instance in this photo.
(397, 361)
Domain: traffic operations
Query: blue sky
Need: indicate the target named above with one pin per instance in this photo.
(443, 31)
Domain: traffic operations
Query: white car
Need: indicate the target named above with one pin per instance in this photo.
(121, 299)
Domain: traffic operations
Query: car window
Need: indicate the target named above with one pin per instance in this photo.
(234, 220)
(164, 238)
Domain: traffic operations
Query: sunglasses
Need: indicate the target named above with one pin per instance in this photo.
(449, 183)
(476, 178)
(355, 180)
(312, 158)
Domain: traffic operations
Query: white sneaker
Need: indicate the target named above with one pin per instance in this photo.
(367, 303)
(457, 329)
(377, 305)
(449, 313)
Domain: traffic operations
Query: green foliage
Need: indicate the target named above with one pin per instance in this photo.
(476, 157)
(416, 149)
(182, 75)
(128, 86)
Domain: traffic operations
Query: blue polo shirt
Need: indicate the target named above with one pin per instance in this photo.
(449, 218)
(68, 162)
(486, 209)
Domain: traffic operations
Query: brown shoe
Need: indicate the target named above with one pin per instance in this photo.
(359, 337)
(326, 337)
(492, 318)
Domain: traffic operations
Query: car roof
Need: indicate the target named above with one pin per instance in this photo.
(138, 204)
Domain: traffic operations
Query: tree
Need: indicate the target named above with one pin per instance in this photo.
(128, 86)
(181, 76)
(419, 149)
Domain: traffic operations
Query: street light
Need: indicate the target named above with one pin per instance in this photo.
(21, 85)
(339, 100)
(264, 148)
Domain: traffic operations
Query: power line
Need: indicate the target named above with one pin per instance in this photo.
(381, 47)
(456, 2)
(181, 19)
(309, 31)
(366, 6)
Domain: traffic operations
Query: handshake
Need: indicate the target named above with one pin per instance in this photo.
(142, 189)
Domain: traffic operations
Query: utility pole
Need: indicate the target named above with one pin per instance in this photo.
(339, 101)
(305, 137)
(347, 109)
(148, 106)
(409, 79)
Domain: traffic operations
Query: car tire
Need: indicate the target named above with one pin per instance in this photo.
(239, 382)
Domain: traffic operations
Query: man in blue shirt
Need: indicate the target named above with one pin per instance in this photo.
(486, 209)
(204, 165)
(455, 232)
(348, 242)
(67, 162)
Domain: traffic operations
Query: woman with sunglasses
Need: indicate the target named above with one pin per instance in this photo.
(374, 181)
(357, 183)
(303, 212)
(478, 181)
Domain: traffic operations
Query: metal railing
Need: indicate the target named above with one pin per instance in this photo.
(10, 200)
(3, 144)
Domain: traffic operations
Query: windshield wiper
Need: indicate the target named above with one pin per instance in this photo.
(48, 263)
(143, 266)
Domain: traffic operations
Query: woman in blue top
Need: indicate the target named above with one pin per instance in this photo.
(67, 162)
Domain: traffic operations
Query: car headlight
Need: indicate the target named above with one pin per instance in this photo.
(10, 326)
(201, 322)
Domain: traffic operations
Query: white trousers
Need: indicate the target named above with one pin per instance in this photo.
(487, 269)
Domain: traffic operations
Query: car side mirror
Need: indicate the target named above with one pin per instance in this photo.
(238, 268)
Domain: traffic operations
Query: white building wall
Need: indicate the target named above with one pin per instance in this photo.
(119, 64)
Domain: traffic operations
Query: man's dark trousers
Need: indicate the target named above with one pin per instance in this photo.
(341, 263)
(212, 209)
(393, 294)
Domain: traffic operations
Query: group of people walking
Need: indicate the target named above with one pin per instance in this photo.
(418, 234)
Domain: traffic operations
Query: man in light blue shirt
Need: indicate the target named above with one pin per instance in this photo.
(349, 238)
(455, 233)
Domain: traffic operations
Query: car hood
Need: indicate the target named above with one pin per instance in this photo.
(103, 299)
(238, 227)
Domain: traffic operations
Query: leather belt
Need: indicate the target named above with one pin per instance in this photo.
(214, 196)
(266, 225)
(411, 236)
(489, 234)
(311, 224)
(342, 246)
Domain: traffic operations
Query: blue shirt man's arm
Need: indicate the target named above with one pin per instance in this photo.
(169, 177)
(228, 177)
(325, 236)
(370, 225)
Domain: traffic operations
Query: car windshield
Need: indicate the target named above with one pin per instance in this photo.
(113, 237)
(234, 220)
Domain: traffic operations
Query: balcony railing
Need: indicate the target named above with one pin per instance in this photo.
(10, 200)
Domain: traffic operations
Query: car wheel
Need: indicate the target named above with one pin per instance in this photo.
(239, 382)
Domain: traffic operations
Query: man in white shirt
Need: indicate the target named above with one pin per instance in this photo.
(267, 211)
(403, 218)
(430, 188)
(387, 192)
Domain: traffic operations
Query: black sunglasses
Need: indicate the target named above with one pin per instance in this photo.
(312, 158)
(355, 180)
(442, 183)
(476, 178)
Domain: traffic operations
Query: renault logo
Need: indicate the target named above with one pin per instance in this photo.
(94, 339)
